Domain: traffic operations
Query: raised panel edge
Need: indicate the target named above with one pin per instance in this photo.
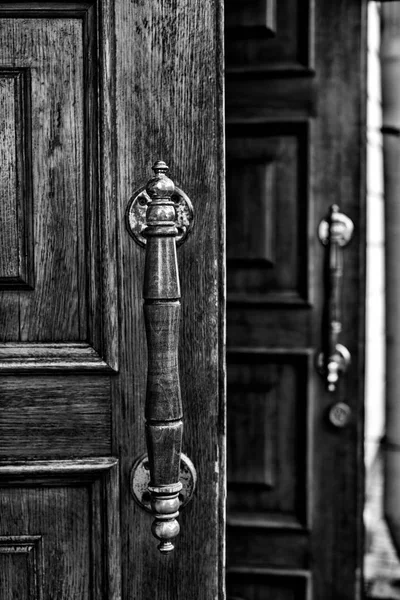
(103, 474)
(303, 67)
(301, 130)
(274, 574)
(50, 357)
(99, 41)
(27, 544)
(305, 355)
(24, 279)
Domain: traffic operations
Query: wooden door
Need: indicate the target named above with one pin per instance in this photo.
(92, 92)
(295, 127)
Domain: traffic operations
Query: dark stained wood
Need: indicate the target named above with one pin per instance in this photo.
(295, 111)
(112, 86)
(171, 74)
(75, 284)
(267, 233)
(15, 185)
(289, 51)
(47, 357)
(9, 262)
(259, 17)
(268, 583)
(55, 416)
(64, 523)
(259, 99)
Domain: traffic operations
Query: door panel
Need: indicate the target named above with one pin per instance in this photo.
(55, 416)
(92, 93)
(295, 116)
(62, 520)
(267, 236)
(71, 300)
(267, 446)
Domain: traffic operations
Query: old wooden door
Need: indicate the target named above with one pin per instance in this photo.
(295, 104)
(92, 92)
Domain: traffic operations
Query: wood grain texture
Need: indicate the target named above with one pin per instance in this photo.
(75, 296)
(43, 358)
(9, 262)
(282, 548)
(268, 445)
(54, 311)
(55, 416)
(15, 185)
(134, 82)
(169, 86)
(21, 566)
(76, 515)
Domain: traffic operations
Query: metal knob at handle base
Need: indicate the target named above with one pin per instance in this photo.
(163, 409)
(335, 232)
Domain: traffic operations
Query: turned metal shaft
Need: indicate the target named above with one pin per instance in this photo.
(163, 411)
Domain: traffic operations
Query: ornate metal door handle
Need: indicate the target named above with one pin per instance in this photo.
(335, 232)
(157, 203)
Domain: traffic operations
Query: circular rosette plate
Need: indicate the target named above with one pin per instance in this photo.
(338, 229)
(140, 479)
(136, 215)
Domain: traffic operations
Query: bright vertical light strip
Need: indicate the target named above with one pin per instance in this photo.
(375, 325)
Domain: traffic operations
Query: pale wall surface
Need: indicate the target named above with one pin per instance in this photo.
(375, 327)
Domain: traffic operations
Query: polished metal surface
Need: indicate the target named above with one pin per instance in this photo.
(156, 217)
(135, 216)
(140, 480)
(335, 233)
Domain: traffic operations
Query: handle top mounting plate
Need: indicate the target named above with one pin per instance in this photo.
(337, 228)
(135, 216)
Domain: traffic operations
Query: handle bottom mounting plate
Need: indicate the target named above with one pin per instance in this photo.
(140, 480)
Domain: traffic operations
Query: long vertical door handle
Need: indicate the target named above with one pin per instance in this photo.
(335, 232)
(161, 293)
(158, 216)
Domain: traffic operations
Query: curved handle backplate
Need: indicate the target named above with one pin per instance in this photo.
(163, 410)
(335, 232)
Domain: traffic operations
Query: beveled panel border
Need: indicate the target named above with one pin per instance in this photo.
(101, 350)
(102, 474)
(303, 63)
(287, 576)
(299, 129)
(304, 358)
(30, 545)
(24, 210)
(50, 357)
(257, 29)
